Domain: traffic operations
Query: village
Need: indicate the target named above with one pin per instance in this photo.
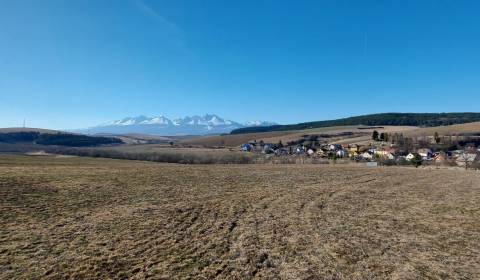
(384, 149)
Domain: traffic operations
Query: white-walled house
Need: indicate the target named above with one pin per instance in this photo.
(410, 157)
(341, 153)
(335, 147)
(367, 156)
(425, 153)
(388, 156)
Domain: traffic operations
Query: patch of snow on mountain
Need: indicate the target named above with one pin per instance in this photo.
(161, 125)
(157, 120)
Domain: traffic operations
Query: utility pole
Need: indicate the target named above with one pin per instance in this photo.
(23, 123)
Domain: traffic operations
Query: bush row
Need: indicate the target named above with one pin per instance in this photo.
(167, 157)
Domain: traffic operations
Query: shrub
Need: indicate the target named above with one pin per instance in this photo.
(417, 160)
(74, 140)
(167, 156)
(387, 162)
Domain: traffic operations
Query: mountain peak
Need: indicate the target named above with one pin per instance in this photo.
(161, 125)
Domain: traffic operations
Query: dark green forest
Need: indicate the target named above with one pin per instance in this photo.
(58, 139)
(398, 119)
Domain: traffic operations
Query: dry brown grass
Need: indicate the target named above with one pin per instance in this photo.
(166, 154)
(446, 130)
(336, 130)
(83, 218)
(286, 136)
(232, 140)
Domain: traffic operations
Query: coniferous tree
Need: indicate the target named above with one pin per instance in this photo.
(437, 138)
(417, 160)
(382, 136)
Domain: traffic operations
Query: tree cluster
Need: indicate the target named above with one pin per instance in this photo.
(398, 119)
(59, 139)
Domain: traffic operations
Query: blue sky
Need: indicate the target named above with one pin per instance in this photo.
(72, 64)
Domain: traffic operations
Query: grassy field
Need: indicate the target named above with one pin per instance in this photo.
(446, 130)
(82, 218)
(286, 136)
(168, 154)
(232, 140)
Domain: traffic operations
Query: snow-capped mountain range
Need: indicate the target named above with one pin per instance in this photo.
(161, 125)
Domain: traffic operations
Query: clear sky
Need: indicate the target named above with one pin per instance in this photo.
(72, 63)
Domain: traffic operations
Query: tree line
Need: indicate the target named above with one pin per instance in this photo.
(396, 119)
(58, 139)
(436, 142)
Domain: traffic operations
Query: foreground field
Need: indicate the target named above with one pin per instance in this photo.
(95, 218)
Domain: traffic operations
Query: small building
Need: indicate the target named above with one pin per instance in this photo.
(341, 153)
(366, 156)
(321, 153)
(352, 154)
(388, 156)
(299, 150)
(353, 148)
(439, 157)
(281, 152)
(382, 153)
(246, 148)
(410, 157)
(335, 147)
(392, 150)
(425, 153)
(401, 159)
(268, 149)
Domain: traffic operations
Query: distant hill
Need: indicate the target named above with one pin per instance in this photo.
(396, 119)
(232, 140)
(160, 125)
(45, 137)
(472, 128)
(28, 129)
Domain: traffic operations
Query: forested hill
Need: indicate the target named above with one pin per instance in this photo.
(400, 119)
(57, 139)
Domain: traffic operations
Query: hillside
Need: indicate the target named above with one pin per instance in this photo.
(466, 128)
(395, 119)
(34, 136)
(286, 136)
(27, 129)
(232, 140)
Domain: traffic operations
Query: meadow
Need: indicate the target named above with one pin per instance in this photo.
(85, 218)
